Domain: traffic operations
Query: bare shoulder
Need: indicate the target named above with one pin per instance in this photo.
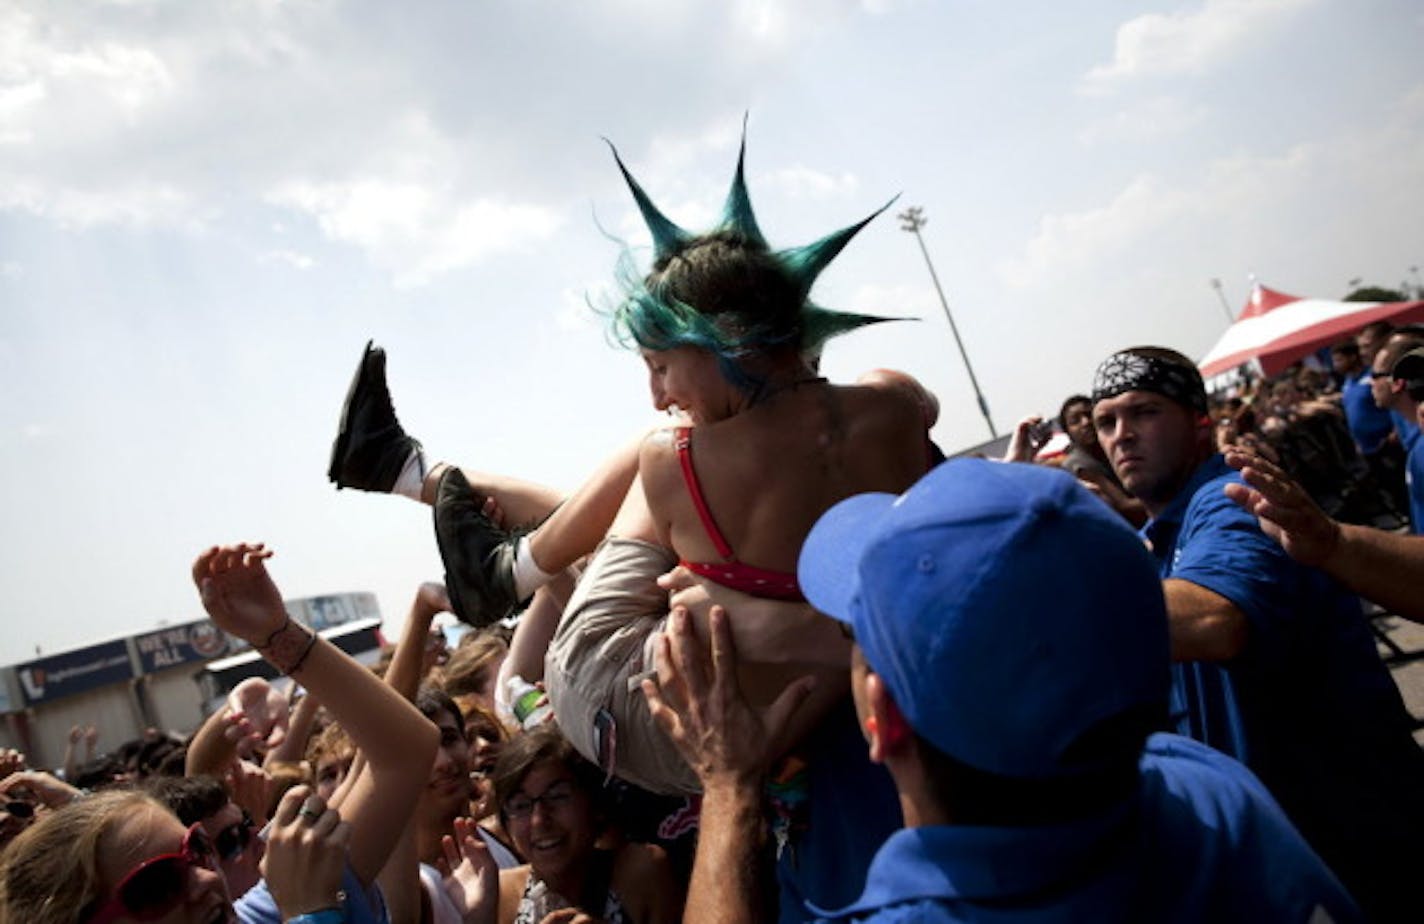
(883, 414)
(643, 878)
(657, 462)
(511, 889)
(636, 860)
(658, 444)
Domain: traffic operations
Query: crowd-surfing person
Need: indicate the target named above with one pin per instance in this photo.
(791, 665)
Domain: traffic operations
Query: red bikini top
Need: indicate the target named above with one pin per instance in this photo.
(749, 579)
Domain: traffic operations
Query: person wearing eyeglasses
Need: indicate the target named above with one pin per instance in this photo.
(203, 799)
(549, 803)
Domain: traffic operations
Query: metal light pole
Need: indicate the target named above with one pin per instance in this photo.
(912, 220)
(1216, 284)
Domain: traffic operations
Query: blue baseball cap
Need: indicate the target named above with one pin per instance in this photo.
(1007, 609)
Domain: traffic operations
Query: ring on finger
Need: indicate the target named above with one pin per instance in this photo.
(307, 811)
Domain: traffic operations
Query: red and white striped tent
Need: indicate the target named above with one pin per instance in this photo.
(1276, 329)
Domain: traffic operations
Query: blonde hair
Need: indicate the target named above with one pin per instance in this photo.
(50, 873)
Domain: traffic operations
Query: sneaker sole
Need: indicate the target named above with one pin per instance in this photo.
(457, 603)
(343, 431)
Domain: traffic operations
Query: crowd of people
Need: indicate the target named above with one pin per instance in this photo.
(779, 660)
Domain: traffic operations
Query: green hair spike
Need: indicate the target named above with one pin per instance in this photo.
(668, 238)
(806, 262)
(653, 318)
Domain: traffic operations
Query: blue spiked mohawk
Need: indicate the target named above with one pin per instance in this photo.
(726, 290)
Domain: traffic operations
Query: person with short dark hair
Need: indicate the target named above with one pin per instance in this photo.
(1406, 428)
(1019, 735)
(1370, 425)
(1371, 339)
(1406, 387)
(1276, 665)
(1089, 464)
(203, 800)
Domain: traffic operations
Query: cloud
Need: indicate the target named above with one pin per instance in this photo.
(801, 182)
(1281, 207)
(140, 204)
(383, 130)
(577, 307)
(290, 257)
(779, 22)
(1078, 240)
(60, 88)
(415, 230)
(898, 300)
(1154, 120)
(11, 269)
(1188, 42)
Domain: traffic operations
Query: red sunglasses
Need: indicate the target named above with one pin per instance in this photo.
(157, 885)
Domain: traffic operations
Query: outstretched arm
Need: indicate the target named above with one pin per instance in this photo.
(1385, 567)
(398, 742)
(698, 703)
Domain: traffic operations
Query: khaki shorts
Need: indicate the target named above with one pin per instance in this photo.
(598, 656)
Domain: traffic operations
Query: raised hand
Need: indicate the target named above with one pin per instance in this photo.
(471, 877)
(1283, 508)
(238, 593)
(1028, 438)
(266, 711)
(699, 704)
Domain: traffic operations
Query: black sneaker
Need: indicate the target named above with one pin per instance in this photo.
(371, 448)
(478, 555)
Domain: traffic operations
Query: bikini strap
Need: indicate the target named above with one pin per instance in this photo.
(683, 442)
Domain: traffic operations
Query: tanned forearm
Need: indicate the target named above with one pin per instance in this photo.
(1387, 568)
(1202, 624)
(725, 888)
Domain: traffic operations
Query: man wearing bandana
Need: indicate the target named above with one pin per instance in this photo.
(1274, 663)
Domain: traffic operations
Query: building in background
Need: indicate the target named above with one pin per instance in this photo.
(159, 679)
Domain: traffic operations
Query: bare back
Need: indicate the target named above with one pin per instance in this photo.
(768, 474)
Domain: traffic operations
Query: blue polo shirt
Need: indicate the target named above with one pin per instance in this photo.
(1414, 479)
(1369, 423)
(1200, 840)
(1308, 705)
(1407, 429)
(852, 807)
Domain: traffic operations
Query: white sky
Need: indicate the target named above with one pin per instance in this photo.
(206, 209)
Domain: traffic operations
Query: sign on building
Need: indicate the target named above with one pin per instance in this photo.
(332, 610)
(73, 672)
(196, 641)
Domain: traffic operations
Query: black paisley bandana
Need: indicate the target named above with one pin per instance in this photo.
(1126, 371)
